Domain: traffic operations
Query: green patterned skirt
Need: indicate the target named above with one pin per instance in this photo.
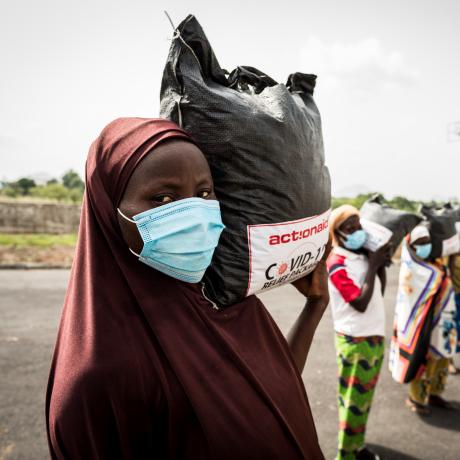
(359, 360)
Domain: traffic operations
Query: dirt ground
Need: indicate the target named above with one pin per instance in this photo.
(55, 256)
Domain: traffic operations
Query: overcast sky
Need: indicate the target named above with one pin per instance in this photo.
(388, 79)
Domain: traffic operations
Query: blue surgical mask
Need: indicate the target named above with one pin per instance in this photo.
(423, 250)
(355, 240)
(180, 237)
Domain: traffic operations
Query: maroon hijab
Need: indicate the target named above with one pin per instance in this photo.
(144, 366)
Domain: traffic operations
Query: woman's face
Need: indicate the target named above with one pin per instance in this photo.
(350, 225)
(421, 241)
(173, 171)
(347, 227)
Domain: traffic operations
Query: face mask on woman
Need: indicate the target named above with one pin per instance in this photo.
(180, 237)
(423, 250)
(355, 240)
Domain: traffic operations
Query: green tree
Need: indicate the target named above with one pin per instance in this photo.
(57, 192)
(75, 195)
(357, 201)
(52, 191)
(398, 202)
(9, 191)
(401, 202)
(21, 186)
(72, 180)
(25, 184)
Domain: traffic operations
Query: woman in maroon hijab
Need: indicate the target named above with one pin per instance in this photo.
(145, 367)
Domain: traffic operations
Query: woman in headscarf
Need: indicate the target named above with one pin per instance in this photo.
(356, 286)
(454, 269)
(424, 334)
(145, 366)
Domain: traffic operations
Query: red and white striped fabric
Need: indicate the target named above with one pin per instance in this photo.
(347, 272)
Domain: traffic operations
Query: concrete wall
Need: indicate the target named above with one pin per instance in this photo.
(33, 217)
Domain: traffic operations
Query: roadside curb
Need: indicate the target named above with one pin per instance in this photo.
(31, 266)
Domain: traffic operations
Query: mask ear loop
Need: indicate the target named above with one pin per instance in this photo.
(133, 221)
(125, 217)
(135, 253)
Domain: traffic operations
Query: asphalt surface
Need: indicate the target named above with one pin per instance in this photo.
(30, 304)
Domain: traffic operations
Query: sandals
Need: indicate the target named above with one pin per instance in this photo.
(417, 408)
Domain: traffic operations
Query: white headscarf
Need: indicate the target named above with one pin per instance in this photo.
(421, 231)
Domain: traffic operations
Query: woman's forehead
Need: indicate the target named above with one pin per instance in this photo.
(171, 164)
(174, 157)
(352, 220)
(422, 240)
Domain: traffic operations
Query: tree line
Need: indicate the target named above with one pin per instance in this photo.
(397, 202)
(69, 188)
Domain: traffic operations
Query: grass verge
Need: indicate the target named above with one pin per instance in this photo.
(38, 240)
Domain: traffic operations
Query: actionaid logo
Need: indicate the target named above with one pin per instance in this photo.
(282, 268)
(297, 235)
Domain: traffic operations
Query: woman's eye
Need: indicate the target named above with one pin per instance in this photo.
(163, 199)
(204, 194)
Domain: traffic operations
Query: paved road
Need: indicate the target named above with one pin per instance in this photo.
(30, 303)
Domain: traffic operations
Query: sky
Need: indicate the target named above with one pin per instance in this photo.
(388, 79)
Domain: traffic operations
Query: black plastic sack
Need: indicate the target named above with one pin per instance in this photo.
(452, 210)
(263, 142)
(443, 231)
(399, 222)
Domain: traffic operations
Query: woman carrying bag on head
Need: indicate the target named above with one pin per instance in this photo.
(144, 365)
(356, 285)
(424, 335)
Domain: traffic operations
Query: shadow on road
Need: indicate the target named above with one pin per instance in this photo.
(389, 454)
(447, 419)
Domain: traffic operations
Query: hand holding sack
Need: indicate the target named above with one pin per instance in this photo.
(263, 142)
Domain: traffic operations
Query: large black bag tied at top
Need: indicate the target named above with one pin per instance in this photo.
(443, 230)
(263, 142)
(385, 224)
(454, 212)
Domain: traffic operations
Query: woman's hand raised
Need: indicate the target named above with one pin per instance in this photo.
(314, 286)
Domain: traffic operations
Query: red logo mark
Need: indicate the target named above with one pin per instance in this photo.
(283, 268)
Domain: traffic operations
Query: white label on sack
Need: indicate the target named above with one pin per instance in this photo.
(281, 253)
(444, 334)
(457, 227)
(377, 235)
(451, 246)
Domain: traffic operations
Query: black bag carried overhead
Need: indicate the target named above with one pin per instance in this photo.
(397, 223)
(454, 211)
(263, 142)
(443, 230)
